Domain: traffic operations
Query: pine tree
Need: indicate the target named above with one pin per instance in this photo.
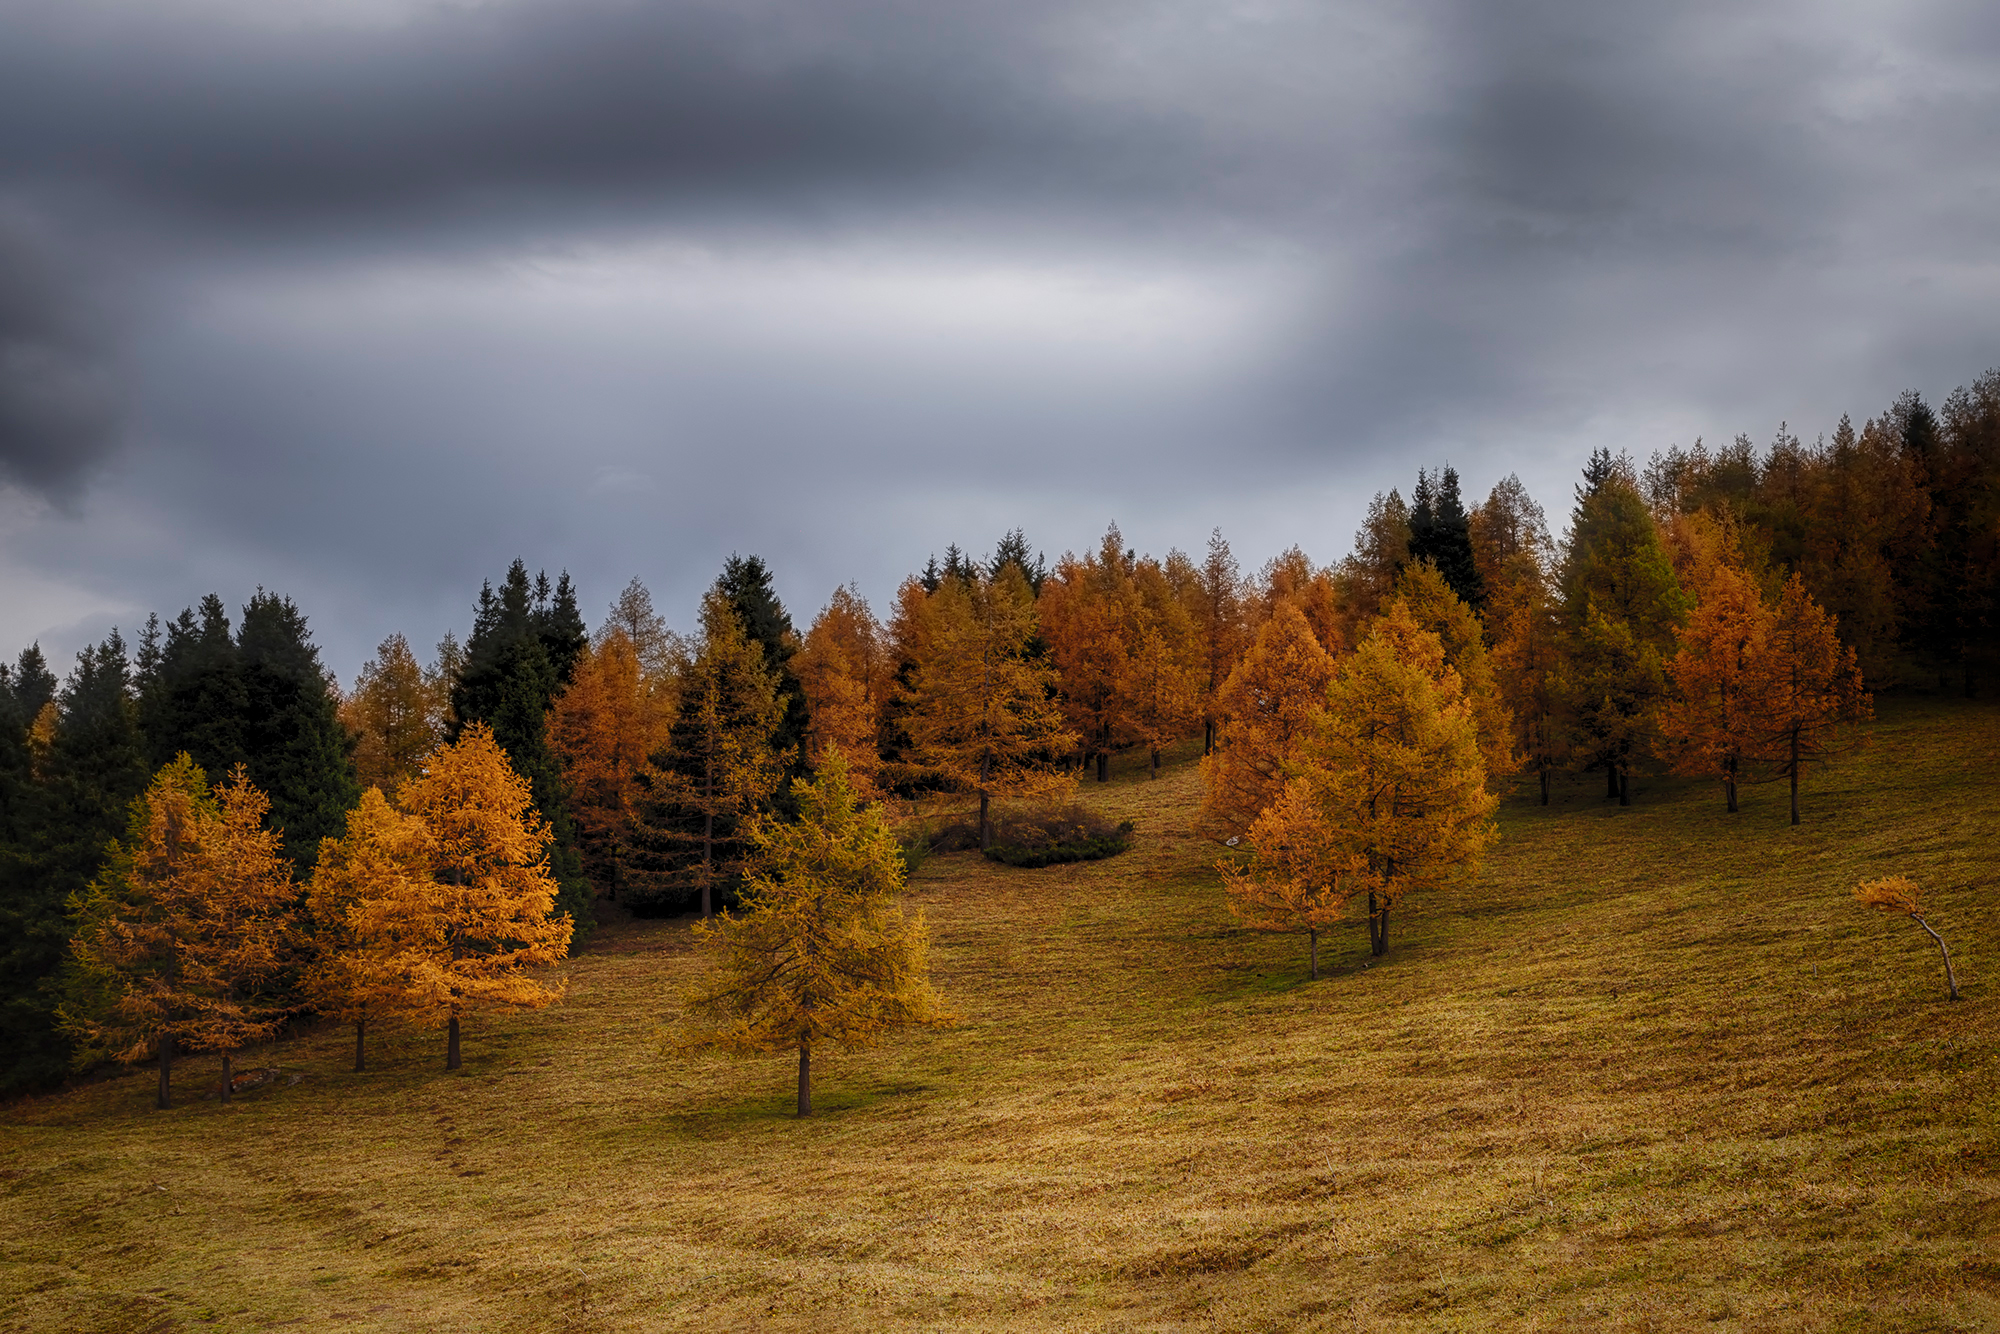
(393, 715)
(191, 692)
(295, 749)
(745, 583)
(819, 953)
(978, 708)
(1434, 606)
(1441, 533)
(1394, 769)
(1381, 549)
(515, 663)
(463, 940)
(721, 763)
(177, 937)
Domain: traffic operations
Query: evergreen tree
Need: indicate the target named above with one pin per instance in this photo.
(1441, 533)
(1013, 550)
(507, 681)
(295, 748)
(191, 695)
(57, 824)
(33, 683)
(746, 583)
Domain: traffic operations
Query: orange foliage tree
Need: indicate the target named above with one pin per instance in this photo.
(1215, 606)
(603, 728)
(464, 938)
(843, 667)
(395, 715)
(1087, 611)
(1708, 724)
(1265, 707)
(1435, 607)
(383, 855)
(1299, 876)
(189, 920)
(1394, 768)
(1808, 687)
(978, 711)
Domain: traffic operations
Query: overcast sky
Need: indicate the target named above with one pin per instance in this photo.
(360, 299)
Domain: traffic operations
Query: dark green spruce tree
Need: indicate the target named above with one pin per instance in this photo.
(62, 807)
(525, 643)
(1441, 532)
(746, 582)
(295, 748)
(191, 695)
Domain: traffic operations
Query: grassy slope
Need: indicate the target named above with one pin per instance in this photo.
(1655, 1069)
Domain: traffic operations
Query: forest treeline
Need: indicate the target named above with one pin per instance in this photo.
(1721, 612)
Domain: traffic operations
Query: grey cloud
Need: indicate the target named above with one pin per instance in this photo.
(62, 397)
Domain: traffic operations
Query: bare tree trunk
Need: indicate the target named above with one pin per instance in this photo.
(1795, 775)
(1103, 765)
(451, 1061)
(1729, 782)
(708, 841)
(360, 1050)
(1382, 933)
(1313, 970)
(1624, 785)
(1610, 778)
(1374, 926)
(1950, 978)
(985, 803)
(1545, 785)
(226, 1078)
(1156, 763)
(166, 1096)
(805, 1079)
(1208, 736)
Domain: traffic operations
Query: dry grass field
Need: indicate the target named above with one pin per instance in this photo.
(1655, 1070)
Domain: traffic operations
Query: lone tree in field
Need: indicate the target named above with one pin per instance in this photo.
(383, 857)
(1899, 896)
(1394, 767)
(1299, 878)
(978, 709)
(463, 938)
(820, 952)
(1809, 685)
(178, 935)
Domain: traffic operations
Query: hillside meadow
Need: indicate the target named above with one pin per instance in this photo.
(1654, 1070)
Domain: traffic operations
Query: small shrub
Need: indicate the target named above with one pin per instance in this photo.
(1052, 837)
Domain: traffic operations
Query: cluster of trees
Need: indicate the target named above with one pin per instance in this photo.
(1717, 612)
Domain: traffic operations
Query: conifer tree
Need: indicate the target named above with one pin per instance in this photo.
(295, 749)
(1086, 614)
(1441, 533)
(463, 940)
(516, 661)
(88, 764)
(844, 669)
(1217, 612)
(1511, 549)
(1381, 549)
(1809, 686)
(1163, 677)
(33, 684)
(393, 715)
(1435, 607)
(177, 937)
(1299, 877)
(1527, 664)
(191, 694)
(659, 649)
(721, 763)
(745, 583)
(978, 709)
(1012, 549)
(819, 952)
(1265, 708)
(605, 727)
(382, 856)
(1394, 768)
(1716, 675)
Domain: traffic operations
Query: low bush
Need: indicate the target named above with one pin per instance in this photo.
(1052, 837)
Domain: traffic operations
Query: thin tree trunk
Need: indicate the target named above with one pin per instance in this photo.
(1729, 782)
(1795, 775)
(1382, 934)
(985, 803)
(1103, 765)
(166, 1096)
(805, 1079)
(451, 1061)
(1624, 786)
(226, 1078)
(1208, 736)
(708, 839)
(1156, 763)
(1545, 785)
(1950, 978)
(1610, 779)
(360, 1050)
(1374, 926)
(1312, 970)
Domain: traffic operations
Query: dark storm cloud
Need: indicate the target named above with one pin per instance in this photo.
(61, 400)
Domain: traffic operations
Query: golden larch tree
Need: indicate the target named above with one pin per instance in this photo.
(1527, 661)
(1264, 709)
(979, 713)
(179, 935)
(819, 951)
(1215, 606)
(1809, 687)
(1394, 768)
(844, 669)
(1435, 607)
(393, 713)
(721, 761)
(382, 856)
(1163, 679)
(1088, 610)
(604, 728)
(466, 938)
(1898, 896)
(1299, 877)
(1708, 722)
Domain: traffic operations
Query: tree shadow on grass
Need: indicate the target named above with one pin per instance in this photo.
(833, 1100)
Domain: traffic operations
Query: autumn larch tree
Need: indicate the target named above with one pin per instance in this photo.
(382, 858)
(1898, 896)
(1265, 708)
(844, 669)
(1808, 686)
(465, 938)
(1710, 722)
(1394, 769)
(1381, 550)
(818, 952)
(393, 714)
(1087, 610)
(1527, 664)
(978, 709)
(1510, 547)
(1299, 877)
(1437, 608)
(1216, 608)
(604, 728)
(177, 936)
(745, 583)
(1164, 665)
(721, 763)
